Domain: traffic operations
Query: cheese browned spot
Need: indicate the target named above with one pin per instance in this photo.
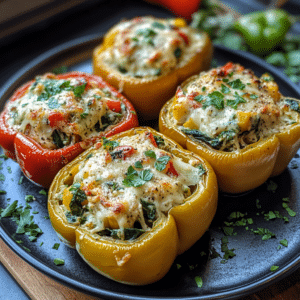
(146, 47)
(230, 110)
(128, 184)
(58, 112)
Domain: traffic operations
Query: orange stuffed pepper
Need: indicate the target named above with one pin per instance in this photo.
(240, 123)
(146, 58)
(52, 119)
(132, 203)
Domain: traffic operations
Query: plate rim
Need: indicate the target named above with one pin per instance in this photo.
(244, 290)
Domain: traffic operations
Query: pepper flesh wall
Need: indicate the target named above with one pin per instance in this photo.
(132, 203)
(240, 123)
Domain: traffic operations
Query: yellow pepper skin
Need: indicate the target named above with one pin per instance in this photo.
(238, 172)
(150, 93)
(149, 257)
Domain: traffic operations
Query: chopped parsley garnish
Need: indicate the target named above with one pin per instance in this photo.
(236, 84)
(284, 242)
(199, 281)
(58, 261)
(108, 144)
(234, 103)
(138, 165)
(56, 246)
(135, 179)
(225, 89)
(158, 25)
(216, 99)
(274, 268)
(150, 153)
(78, 197)
(272, 186)
(43, 192)
(265, 233)
(161, 163)
(289, 210)
(293, 104)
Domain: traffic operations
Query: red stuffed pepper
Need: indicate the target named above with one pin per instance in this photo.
(52, 119)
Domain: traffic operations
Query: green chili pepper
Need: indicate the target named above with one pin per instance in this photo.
(264, 30)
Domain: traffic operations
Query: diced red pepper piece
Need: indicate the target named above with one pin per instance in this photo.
(225, 70)
(122, 152)
(171, 170)
(152, 139)
(114, 105)
(184, 37)
(56, 119)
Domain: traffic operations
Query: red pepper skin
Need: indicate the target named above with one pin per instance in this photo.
(40, 165)
(182, 8)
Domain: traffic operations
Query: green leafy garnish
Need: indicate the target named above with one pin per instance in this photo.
(199, 281)
(216, 99)
(161, 163)
(234, 103)
(59, 261)
(236, 84)
(135, 179)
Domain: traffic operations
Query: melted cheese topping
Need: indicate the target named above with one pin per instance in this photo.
(148, 46)
(121, 183)
(230, 108)
(58, 113)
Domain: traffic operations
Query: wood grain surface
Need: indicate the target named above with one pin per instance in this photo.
(40, 287)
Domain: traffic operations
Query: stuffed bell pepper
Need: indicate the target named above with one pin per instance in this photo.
(52, 119)
(148, 57)
(240, 123)
(133, 202)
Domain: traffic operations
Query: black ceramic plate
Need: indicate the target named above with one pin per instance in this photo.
(253, 254)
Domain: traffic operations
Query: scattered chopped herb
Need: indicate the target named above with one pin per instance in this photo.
(2, 192)
(215, 99)
(43, 192)
(58, 261)
(2, 177)
(289, 210)
(56, 246)
(274, 268)
(265, 233)
(158, 25)
(199, 281)
(234, 103)
(284, 242)
(272, 186)
(236, 84)
(225, 89)
(150, 153)
(138, 165)
(29, 198)
(108, 144)
(161, 163)
(7, 212)
(135, 179)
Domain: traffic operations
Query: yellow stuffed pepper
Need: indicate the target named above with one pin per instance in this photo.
(146, 58)
(239, 123)
(132, 203)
